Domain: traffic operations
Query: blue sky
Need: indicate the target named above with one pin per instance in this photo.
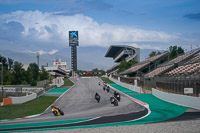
(43, 25)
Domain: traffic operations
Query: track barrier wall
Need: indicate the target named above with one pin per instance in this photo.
(23, 99)
(183, 100)
(58, 82)
(128, 86)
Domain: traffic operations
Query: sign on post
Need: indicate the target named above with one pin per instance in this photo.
(73, 38)
(188, 90)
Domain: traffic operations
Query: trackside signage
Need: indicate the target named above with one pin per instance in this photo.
(73, 38)
(188, 90)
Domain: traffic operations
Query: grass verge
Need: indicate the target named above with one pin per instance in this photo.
(67, 83)
(107, 80)
(33, 107)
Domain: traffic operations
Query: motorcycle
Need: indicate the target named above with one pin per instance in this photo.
(97, 97)
(104, 87)
(57, 111)
(117, 96)
(113, 101)
(108, 89)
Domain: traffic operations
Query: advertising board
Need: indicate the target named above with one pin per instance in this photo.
(73, 38)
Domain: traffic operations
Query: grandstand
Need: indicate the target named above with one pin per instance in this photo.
(146, 66)
(189, 69)
(166, 75)
(120, 53)
(165, 67)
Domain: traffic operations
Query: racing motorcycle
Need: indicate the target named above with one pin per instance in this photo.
(108, 89)
(56, 111)
(104, 87)
(97, 97)
(113, 101)
(117, 96)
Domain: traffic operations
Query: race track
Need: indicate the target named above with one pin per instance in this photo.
(79, 103)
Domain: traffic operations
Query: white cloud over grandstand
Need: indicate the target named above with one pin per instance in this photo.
(145, 46)
(48, 27)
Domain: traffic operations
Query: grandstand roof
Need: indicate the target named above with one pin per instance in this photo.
(114, 51)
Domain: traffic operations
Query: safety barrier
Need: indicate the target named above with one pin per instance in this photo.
(128, 86)
(23, 99)
(7, 101)
(58, 82)
(183, 100)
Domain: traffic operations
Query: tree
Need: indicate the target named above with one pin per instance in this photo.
(44, 74)
(10, 63)
(18, 73)
(34, 69)
(154, 53)
(125, 65)
(3, 60)
(32, 74)
(9, 77)
(174, 51)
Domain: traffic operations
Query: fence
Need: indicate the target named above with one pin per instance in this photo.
(131, 80)
(175, 85)
(179, 85)
(43, 82)
(126, 85)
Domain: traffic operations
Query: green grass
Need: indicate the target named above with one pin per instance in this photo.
(107, 80)
(33, 107)
(67, 83)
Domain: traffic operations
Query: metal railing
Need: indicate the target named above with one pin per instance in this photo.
(178, 84)
(168, 84)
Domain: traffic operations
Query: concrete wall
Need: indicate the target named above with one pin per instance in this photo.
(24, 89)
(188, 101)
(128, 86)
(23, 99)
(58, 82)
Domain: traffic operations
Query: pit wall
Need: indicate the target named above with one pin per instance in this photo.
(130, 87)
(188, 101)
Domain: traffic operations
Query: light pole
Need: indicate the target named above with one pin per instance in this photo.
(2, 76)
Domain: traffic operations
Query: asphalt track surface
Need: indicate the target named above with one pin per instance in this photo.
(79, 103)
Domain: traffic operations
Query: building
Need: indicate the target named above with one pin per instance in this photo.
(122, 52)
(59, 69)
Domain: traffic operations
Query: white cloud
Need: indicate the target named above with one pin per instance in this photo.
(41, 52)
(146, 46)
(53, 51)
(48, 27)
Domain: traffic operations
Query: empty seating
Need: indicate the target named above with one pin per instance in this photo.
(188, 69)
(140, 65)
(158, 71)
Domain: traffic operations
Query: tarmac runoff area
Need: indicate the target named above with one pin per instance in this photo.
(79, 104)
(160, 111)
